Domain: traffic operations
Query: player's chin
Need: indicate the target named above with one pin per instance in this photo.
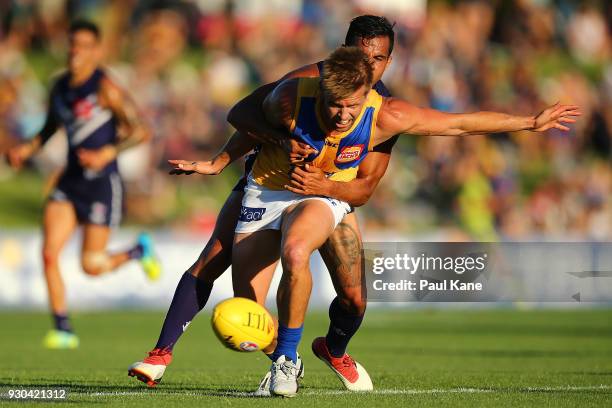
(342, 127)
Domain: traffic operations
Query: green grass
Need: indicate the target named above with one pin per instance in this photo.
(21, 199)
(416, 358)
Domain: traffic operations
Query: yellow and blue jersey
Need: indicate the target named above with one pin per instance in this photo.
(338, 155)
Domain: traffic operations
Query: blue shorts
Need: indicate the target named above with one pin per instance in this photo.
(97, 201)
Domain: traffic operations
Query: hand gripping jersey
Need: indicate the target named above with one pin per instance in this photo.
(338, 155)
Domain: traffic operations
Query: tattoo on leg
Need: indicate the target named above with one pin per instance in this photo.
(342, 254)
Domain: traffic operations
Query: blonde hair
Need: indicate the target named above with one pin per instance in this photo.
(345, 71)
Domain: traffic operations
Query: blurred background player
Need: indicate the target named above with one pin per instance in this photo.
(341, 253)
(93, 110)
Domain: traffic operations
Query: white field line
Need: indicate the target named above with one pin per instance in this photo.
(244, 394)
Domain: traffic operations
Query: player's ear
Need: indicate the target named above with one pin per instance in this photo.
(389, 59)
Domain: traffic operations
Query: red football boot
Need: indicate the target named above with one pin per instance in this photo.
(151, 370)
(351, 373)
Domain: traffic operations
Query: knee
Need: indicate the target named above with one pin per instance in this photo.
(212, 262)
(353, 301)
(50, 257)
(95, 263)
(295, 257)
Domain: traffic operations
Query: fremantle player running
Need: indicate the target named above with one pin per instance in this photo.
(341, 253)
(91, 108)
(342, 118)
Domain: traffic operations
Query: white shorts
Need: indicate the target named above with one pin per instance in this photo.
(263, 208)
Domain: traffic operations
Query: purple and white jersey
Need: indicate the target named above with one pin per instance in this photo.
(88, 124)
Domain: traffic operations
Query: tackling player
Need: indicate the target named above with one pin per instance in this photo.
(341, 253)
(342, 119)
(89, 193)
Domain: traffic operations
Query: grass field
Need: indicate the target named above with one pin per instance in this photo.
(416, 358)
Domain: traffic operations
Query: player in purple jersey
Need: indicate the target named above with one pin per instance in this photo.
(92, 109)
(341, 253)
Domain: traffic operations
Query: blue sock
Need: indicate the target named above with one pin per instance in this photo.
(189, 298)
(61, 322)
(342, 327)
(287, 342)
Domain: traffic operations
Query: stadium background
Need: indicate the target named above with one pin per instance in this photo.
(187, 62)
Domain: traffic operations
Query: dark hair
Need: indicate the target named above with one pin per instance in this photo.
(84, 25)
(368, 26)
(345, 71)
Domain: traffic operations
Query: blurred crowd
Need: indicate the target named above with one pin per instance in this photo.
(187, 62)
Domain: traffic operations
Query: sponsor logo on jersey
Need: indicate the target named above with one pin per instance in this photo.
(83, 108)
(248, 214)
(349, 154)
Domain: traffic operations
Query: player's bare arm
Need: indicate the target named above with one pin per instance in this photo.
(248, 114)
(279, 106)
(133, 130)
(310, 180)
(275, 114)
(400, 117)
(235, 147)
(17, 155)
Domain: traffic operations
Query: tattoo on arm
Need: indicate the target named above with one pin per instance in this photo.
(125, 111)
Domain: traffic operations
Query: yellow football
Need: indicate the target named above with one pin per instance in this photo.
(242, 324)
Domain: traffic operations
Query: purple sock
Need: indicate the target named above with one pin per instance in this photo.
(189, 298)
(62, 322)
(136, 252)
(342, 327)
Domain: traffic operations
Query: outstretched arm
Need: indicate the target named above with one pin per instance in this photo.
(236, 147)
(398, 116)
(248, 116)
